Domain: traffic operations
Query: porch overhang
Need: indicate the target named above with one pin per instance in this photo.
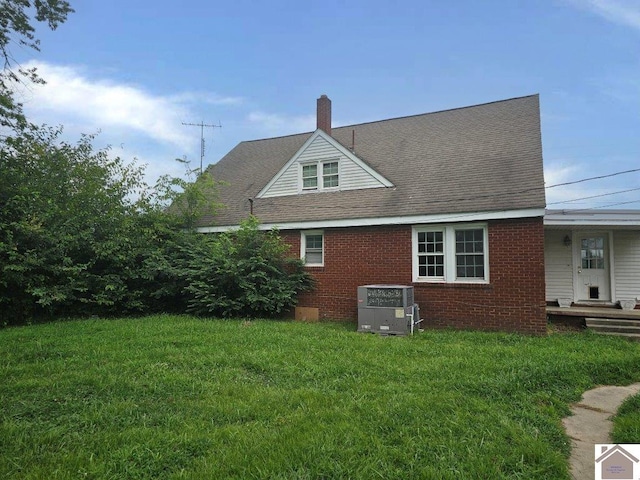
(592, 218)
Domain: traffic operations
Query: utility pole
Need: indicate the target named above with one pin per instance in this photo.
(202, 125)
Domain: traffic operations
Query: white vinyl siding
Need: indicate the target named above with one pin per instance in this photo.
(626, 247)
(352, 176)
(558, 265)
(287, 184)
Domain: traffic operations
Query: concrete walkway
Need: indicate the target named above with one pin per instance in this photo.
(591, 424)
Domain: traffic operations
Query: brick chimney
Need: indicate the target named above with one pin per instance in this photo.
(324, 114)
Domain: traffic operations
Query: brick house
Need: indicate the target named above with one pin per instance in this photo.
(450, 202)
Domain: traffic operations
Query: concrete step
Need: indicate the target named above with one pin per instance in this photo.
(630, 328)
(612, 321)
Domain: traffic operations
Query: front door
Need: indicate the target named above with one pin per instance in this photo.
(592, 261)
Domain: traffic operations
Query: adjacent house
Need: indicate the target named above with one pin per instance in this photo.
(450, 202)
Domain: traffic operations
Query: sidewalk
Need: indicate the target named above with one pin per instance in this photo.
(591, 424)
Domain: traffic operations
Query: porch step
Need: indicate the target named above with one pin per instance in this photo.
(615, 326)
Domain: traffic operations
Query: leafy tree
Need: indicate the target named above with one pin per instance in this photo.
(189, 199)
(17, 19)
(81, 234)
(79, 231)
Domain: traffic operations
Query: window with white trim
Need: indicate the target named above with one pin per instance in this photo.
(310, 177)
(320, 175)
(312, 247)
(330, 178)
(451, 253)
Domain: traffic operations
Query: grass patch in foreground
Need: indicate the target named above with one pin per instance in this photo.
(626, 423)
(178, 397)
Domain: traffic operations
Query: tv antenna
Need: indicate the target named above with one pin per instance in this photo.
(202, 125)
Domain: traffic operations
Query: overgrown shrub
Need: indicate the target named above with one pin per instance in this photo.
(82, 234)
(245, 272)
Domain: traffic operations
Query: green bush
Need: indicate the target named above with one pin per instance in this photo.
(82, 234)
(245, 272)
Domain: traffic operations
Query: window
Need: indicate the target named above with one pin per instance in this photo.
(309, 177)
(470, 253)
(592, 253)
(450, 253)
(431, 255)
(312, 247)
(330, 175)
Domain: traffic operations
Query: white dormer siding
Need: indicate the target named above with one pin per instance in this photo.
(319, 149)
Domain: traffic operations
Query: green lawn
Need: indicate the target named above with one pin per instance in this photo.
(178, 397)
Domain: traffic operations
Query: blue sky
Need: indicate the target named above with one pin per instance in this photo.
(136, 70)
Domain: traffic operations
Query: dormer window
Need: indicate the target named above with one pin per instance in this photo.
(320, 175)
(310, 177)
(330, 175)
(322, 165)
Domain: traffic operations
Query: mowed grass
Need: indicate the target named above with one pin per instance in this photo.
(178, 397)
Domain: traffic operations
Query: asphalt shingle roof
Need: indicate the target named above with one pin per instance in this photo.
(480, 158)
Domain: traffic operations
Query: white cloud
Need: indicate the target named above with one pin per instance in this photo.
(138, 125)
(625, 12)
(205, 97)
(72, 98)
(560, 173)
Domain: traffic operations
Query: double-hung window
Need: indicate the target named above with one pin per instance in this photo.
(451, 253)
(320, 175)
(310, 177)
(312, 247)
(330, 177)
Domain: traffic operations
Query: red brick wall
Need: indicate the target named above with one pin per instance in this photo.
(514, 300)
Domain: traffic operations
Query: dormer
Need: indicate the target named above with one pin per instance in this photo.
(323, 164)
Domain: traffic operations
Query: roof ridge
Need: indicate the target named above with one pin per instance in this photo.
(396, 118)
(438, 111)
(276, 138)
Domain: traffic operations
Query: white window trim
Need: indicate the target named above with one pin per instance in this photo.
(303, 246)
(319, 175)
(449, 252)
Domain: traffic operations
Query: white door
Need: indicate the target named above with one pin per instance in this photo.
(592, 262)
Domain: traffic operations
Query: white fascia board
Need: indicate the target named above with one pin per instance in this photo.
(351, 156)
(591, 223)
(286, 166)
(586, 218)
(410, 220)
